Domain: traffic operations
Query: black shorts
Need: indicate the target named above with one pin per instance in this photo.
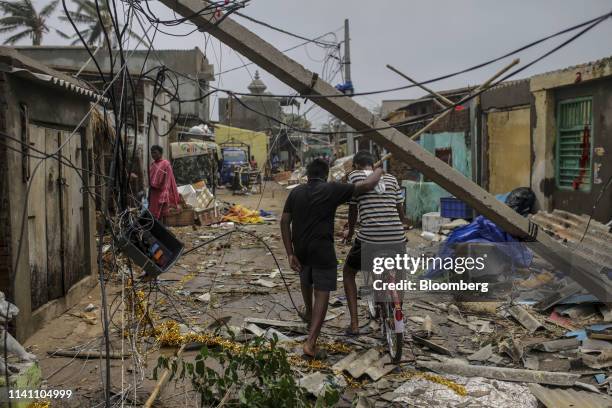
(353, 259)
(319, 278)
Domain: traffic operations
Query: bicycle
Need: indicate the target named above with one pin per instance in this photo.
(389, 313)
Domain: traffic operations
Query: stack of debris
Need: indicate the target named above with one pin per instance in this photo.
(584, 235)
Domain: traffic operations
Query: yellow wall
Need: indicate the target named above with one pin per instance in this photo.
(258, 141)
(509, 150)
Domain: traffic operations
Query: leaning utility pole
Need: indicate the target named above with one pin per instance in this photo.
(350, 141)
(583, 270)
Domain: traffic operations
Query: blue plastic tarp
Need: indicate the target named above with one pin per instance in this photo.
(482, 230)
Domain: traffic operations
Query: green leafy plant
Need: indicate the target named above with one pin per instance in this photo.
(257, 376)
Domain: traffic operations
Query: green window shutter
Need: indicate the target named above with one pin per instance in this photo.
(574, 144)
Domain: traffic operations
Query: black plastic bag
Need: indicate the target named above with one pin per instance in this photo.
(521, 200)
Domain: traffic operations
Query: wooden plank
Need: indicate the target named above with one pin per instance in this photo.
(293, 74)
(442, 98)
(55, 272)
(87, 354)
(37, 231)
(163, 380)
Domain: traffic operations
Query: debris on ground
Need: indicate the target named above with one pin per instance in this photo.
(541, 339)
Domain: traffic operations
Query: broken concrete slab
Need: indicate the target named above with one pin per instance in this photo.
(345, 362)
(380, 368)
(315, 383)
(603, 360)
(513, 348)
(558, 345)
(503, 374)
(568, 398)
(256, 330)
(483, 354)
(531, 363)
(495, 359)
(431, 345)
(524, 318)
(595, 346)
(265, 283)
(557, 297)
(480, 326)
(364, 402)
(271, 332)
(276, 323)
(361, 363)
(389, 396)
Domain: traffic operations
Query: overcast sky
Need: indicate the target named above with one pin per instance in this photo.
(424, 39)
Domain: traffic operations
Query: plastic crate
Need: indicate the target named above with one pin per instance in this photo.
(451, 207)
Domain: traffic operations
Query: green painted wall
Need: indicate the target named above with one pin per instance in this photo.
(424, 196)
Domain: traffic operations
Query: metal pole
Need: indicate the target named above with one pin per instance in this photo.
(347, 52)
(350, 140)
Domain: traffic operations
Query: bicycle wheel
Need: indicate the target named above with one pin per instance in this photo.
(393, 323)
(368, 294)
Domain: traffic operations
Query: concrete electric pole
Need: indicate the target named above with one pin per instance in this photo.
(582, 269)
(350, 141)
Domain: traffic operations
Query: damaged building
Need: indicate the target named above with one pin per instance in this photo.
(47, 230)
(548, 132)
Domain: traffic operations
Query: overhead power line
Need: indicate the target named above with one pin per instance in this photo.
(595, 20)
(280, 30)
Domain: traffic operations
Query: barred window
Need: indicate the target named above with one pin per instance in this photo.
(574, 144)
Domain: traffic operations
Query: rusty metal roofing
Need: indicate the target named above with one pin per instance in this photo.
(571, 228)
(569, 398)
(53, 80)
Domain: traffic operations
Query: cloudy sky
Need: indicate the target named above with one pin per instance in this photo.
(424, 39)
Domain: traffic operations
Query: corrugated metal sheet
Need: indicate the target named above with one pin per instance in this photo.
(70, 86)
(570, 228)
(569, 398)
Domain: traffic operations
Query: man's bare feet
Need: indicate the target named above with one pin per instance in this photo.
(309, 350)
(313, 353)
(352, 330)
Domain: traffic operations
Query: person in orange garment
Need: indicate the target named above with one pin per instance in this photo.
(163, 193)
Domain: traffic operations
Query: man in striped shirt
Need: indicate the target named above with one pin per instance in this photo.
(381, 220)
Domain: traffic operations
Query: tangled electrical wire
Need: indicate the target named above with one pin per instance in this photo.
(121, 86)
